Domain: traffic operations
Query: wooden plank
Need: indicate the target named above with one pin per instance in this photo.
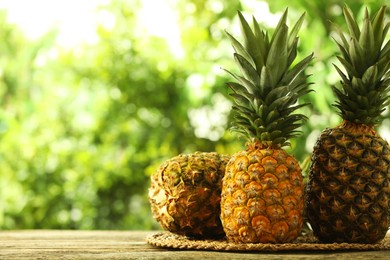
(58, 244)
(42, 244)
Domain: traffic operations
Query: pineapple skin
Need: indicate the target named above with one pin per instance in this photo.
(185, 194)
(262, 197)
(348, 194)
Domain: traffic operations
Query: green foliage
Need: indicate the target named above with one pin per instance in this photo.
(82, 129)
(266, 93)
(365, 91)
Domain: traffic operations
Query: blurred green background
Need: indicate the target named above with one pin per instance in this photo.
(82, 128)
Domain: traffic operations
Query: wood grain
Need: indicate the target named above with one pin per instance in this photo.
(69, 244)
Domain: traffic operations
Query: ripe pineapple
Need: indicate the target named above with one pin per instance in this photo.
(349, 182)
(185, 194)
(262, 192)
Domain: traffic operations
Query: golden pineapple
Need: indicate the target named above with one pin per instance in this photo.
(262, 191)
(348, 195)
(185, 194)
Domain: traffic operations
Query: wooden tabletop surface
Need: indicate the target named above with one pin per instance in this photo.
(70, 244)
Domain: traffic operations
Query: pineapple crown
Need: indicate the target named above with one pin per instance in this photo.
(365, 85)
(266, 94)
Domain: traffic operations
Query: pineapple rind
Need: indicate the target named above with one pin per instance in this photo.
(185, 194)
(348, 197)
(262, 197)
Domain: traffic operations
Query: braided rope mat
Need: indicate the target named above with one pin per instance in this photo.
(307, 242)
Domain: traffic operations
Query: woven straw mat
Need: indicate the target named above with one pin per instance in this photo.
(307, 242)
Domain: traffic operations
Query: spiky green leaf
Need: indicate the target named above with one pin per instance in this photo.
(292, 37)
(260, 36)
(352, 25)
(277, 56)
(364, 93)
(238, 48)
(357, 57)
(247, 69)
(370, 76)
(251, 42)
(351, 71)
(342, 75)
(291, 74)
(367, 41)
(268, 88)
(266, 81)
(377, 25)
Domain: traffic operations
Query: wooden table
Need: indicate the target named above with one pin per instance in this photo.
(67, 244)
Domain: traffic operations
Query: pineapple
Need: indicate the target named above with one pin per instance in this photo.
(185, 194)
(348, 195)
(262, 192)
